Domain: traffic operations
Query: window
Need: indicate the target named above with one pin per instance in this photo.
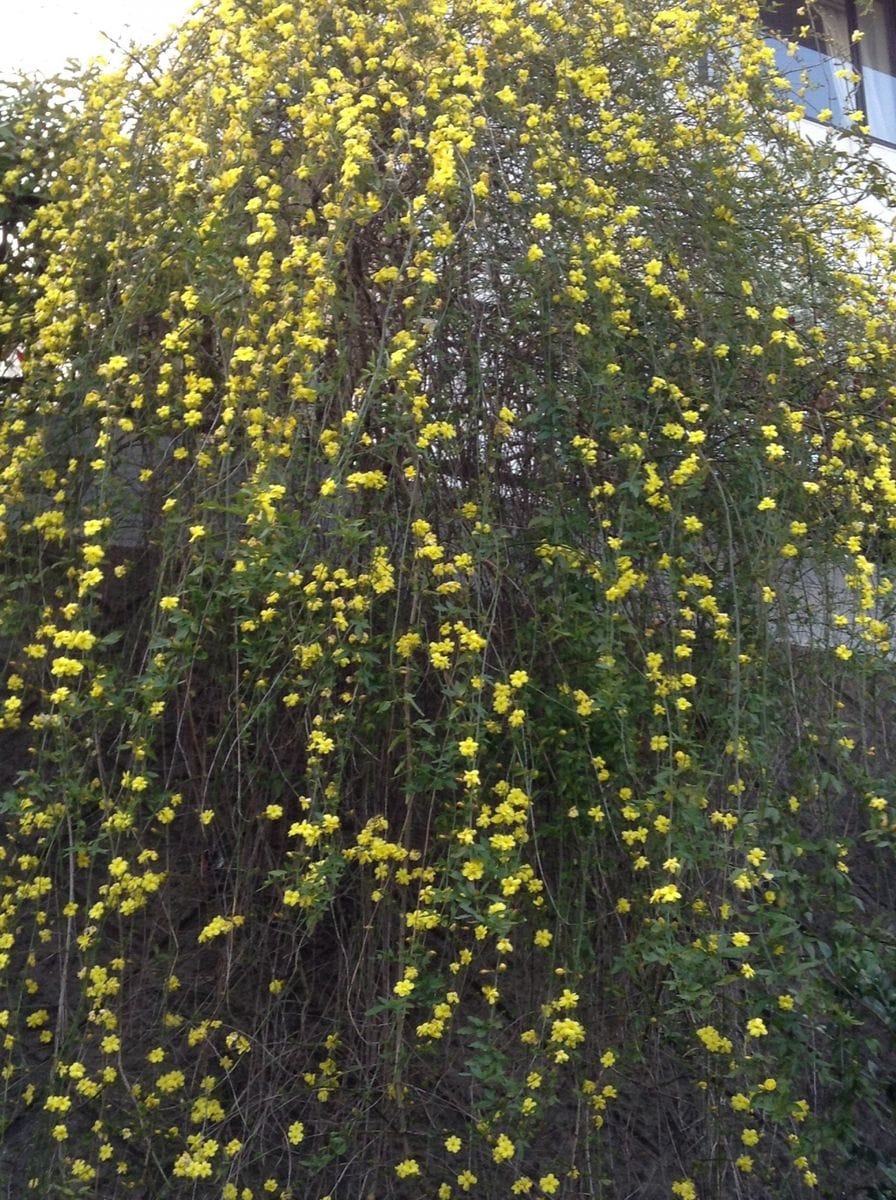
(842, 54)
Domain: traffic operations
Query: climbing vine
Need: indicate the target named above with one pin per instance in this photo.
(447, 523)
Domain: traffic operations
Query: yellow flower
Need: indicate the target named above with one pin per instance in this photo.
(567, 1032)
(407, 1168)
(684, 1189)
(713, 1040)
(172, 1082)
(665, 895)
(503, 1148)
(66, 666)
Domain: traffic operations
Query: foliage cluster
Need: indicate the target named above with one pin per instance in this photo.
(34, 139)
(445, 618)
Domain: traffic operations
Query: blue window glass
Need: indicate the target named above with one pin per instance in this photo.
(822, 79)
(841, 56)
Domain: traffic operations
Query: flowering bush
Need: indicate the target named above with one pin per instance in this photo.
(448, 515)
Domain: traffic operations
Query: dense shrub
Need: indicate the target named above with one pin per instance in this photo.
(447, 517)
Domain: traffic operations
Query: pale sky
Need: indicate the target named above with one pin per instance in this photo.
(39, 35)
